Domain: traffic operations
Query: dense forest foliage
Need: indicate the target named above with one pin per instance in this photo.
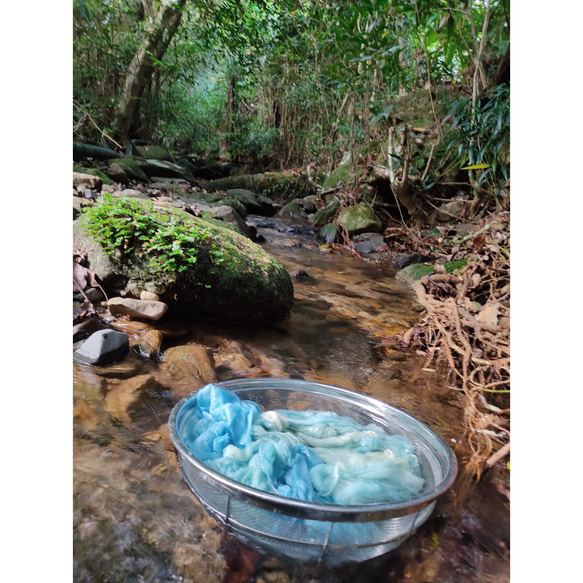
(286, 83)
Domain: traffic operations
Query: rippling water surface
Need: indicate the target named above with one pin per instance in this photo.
(134, 518)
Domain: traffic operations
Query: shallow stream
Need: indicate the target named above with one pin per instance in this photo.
(135, 519)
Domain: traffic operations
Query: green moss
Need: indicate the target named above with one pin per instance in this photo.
(121, 226)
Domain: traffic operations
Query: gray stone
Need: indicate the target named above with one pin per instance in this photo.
(293, 209)
(87, 180)
(229, 215)
(148, 309)
(103, 347)
(366, 243)
(258, 204)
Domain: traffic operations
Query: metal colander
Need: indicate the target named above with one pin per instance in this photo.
(331, 534)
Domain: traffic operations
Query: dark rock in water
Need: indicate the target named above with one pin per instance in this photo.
(405, 260)
(103, 347)
(300, 274)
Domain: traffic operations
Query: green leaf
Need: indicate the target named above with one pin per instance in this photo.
(476, 167)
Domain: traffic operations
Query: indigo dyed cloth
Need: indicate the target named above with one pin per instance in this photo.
(317, 456)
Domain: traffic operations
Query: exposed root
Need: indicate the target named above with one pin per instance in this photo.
(466, 325)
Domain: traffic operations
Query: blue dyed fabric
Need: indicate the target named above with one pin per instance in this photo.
(317, 456)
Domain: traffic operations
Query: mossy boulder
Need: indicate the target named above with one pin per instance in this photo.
(359, 218)
(201, 270)
(342, 175)
(155, 152)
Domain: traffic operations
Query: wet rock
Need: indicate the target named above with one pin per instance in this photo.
(102, 347)
(149, 296)
(84, 329)
(300, 274)
(359, 218)
(122, 396)
(150, 344)
(133, 328)
(148, 309)
(172, 329)
(87, 181)
(186, 368)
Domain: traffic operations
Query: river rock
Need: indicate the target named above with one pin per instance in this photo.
(147, 309)
(367, 243)
(87, 180)
(117, 173)
(233, 279)
(326, 214)
(359, 218)
(229, 215)
(328, 233)
(130, 167)
(132, 193)
(257, 204)
(102, 347)
(148, 295)
(150, 344)
(293, 209)
(186, 368)
(122, 396)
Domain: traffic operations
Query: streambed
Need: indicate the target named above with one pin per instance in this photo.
(136, 520)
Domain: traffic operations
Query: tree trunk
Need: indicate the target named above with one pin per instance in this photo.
(159, 34)
(227, 128)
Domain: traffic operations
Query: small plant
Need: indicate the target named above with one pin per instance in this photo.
(123, 225)
(482, 139)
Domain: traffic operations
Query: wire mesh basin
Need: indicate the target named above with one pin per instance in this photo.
(331, 534)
